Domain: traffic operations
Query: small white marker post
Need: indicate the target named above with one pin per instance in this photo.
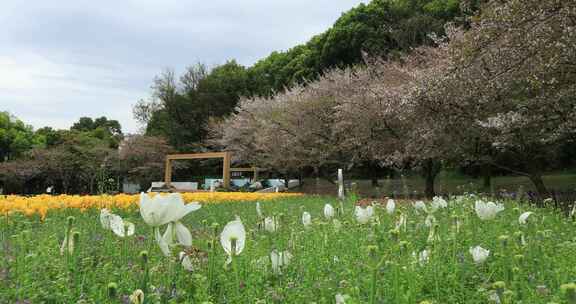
(340, 185)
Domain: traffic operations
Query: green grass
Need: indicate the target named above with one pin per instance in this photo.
(325, 261)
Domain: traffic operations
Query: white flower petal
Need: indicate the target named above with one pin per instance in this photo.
(190, 207)
(162, 243)
(117, 225)
(306, 219)
(390, 206)
(479, 254)
(185, 261)
(130, 228)
(259, 210)
(328, 211)
(233, 230)
(168, 235)
(105, 218)
(524, 217)
(183, 234)
(270, 224)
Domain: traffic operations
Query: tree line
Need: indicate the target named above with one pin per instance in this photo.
(497, 92)
(182, 108)
(93, 156)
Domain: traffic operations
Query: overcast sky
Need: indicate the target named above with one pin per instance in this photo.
(60, 60)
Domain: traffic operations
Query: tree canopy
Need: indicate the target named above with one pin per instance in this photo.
(498, 92)
(180, 109)
(16, 137)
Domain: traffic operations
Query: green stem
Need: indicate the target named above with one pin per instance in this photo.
(373, 285)
(237, 278)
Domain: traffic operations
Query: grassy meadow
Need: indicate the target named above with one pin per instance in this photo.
(404, 256)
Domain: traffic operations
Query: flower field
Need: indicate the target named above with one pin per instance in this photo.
(40, 204)
(296, 249)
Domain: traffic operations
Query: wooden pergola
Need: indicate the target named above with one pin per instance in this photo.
(225, 168)
(226, 157)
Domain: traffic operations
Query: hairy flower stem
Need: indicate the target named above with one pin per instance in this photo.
(236, 278)
(373, 285)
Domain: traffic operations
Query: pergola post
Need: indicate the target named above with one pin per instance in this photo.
(255, 173)
(226, 170)
(168, 172)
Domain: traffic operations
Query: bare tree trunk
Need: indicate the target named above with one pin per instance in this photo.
(317, 179)
(486, 177)
(430, 169)
(536, 179)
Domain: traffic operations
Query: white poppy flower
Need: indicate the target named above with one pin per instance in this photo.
(524, 217)
(270, 224)
(306, 219)
(105, 218)
(328, 211)
(279, 260)
(363, 215)
(341, 299)
(259, 210)
(487, 210)
(423, 257)
(120, 227)
(437, 203)
(420, 206)
(233, 235)
(185, 261)
(479, 254)
(390, 206)
(401, 223)
(163, 209)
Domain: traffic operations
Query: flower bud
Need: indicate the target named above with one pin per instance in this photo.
(504, 240)
(372, 250)
(394, 234)
(519, 236)
(569, 290)
(499, 286)
(215, 228)
(70, 221)
(137, 297)
(403, 246)
(144, 256)
(112, 290)
(542, 290)
(508, 295)
(76, 237)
